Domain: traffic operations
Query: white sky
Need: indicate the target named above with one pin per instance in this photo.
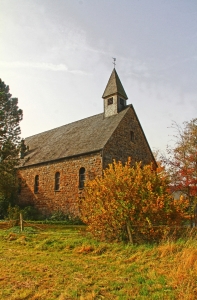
(56, 56)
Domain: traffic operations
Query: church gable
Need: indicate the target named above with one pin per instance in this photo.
(128, 140)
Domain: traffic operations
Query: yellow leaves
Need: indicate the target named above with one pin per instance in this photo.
(128, 193)
(149, 222)
(149, 186)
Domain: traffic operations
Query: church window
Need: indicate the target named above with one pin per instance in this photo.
(57, 181)
(110, 101)
(36, 184)
(121, 101)
(81, 177)
(132, 136)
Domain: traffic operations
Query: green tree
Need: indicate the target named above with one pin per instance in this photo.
(130, 201)
(10, 117)
(182, 163)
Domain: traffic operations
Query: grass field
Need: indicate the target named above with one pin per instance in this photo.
(60, 262)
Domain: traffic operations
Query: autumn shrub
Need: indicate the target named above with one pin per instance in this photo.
(130, 203)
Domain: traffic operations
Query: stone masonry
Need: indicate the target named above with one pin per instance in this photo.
(121, 146)
(47, 200)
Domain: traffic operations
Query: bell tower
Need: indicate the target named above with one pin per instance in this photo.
(114, 96)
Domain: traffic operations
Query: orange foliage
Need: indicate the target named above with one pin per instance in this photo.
(134, 196)
(182, 164)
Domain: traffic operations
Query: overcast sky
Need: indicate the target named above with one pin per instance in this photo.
(56, 56)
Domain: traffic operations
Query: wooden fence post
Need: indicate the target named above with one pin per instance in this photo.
(21, 222)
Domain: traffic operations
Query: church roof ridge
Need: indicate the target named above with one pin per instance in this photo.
(114, 86)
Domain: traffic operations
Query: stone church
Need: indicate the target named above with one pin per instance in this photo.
(56, 163)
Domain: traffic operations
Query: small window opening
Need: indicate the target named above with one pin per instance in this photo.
(132, 136)
(110, 101)
(81, 177)
(36, 184)
(57, 181)
(121, 101)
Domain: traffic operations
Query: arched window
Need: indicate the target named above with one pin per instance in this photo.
(36, 184)
(132, 136)
(57, 181)
(81, 177)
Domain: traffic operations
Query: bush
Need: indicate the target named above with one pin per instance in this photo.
(4, 204)
(13, 212)
(59, 216)
(30, 213)
(130, 203)
(68, 219)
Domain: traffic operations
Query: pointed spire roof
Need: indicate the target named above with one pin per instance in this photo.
(114, 86)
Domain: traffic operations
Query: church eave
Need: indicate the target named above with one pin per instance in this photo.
(116, 93)
(59, 159)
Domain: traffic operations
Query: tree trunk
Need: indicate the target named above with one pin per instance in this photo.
(129, 232)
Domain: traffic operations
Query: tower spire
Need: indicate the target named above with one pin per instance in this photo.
(114, 86)
(114, 96)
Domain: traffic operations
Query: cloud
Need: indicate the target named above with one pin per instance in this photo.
(78, 72)
(41, 66)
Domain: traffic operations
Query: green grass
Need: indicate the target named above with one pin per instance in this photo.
(65, 263)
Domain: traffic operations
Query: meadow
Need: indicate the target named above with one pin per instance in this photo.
(65, 263)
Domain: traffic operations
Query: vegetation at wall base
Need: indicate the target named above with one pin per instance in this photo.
(31, 215)
(63, 263)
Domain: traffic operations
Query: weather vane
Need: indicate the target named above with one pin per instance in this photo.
(114, 62)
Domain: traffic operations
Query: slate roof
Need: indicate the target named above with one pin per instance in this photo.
(80, 137)
(114, 86)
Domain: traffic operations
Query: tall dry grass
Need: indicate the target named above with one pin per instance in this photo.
(67, 264)
(178, 262)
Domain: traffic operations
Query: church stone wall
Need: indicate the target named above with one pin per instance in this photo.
(128, 140)
(47, 200)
